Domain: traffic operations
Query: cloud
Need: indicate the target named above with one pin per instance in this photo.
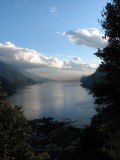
(78, 64)
(61, 33)
(53, 10)
(28, 58)
(19, 2)
(90, 37)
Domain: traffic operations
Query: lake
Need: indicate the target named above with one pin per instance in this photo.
(60, 100)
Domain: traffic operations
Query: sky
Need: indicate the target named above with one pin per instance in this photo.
(52, 38)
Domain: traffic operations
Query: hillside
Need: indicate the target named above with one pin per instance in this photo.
(13, 77)
(7, 87)
(87, 81)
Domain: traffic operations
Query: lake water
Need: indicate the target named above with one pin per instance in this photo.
(58, 100)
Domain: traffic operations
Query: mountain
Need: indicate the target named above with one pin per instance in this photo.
(33, 77)
(6, 86)
(13, 77)
(87, 81)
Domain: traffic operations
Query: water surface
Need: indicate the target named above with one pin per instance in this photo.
(58, 100)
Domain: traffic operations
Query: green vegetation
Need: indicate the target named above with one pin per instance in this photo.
(14, 133)
(58, 139)
(101, 140)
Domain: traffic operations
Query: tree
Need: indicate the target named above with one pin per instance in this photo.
(107, 92)
(14, 133)
(101, 140)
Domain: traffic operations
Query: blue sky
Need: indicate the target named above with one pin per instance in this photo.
(64, 32)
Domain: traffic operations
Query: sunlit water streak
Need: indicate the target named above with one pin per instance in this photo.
(56, 99)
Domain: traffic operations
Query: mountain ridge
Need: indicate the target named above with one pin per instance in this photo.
(13, 77)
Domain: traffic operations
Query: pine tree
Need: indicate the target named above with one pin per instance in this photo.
(107, 92)
(101, 140)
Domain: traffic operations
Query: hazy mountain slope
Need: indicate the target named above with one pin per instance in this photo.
(87, 81)
(15, 73)
(13, 77)
(34, 77)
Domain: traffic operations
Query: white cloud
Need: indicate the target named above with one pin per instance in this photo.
(90, 37)
(53, 10)
(78, 64)
(8, 45)
(61, 33)
(28, 58)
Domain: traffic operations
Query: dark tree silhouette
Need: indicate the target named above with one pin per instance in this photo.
(101, 140)
(107, 92)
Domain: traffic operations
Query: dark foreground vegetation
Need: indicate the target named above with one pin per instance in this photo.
(14, 133)
(101, 140)
(46, 139)
(58, 139)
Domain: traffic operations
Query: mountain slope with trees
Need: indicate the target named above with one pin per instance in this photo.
(88, 81)
(13, 77)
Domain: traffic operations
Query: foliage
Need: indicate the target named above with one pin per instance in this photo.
(101, 140)
(107, 92)
(14, 133)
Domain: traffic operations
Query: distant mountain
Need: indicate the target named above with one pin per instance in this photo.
(13, 77)
(33, 77)
(87, 81)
